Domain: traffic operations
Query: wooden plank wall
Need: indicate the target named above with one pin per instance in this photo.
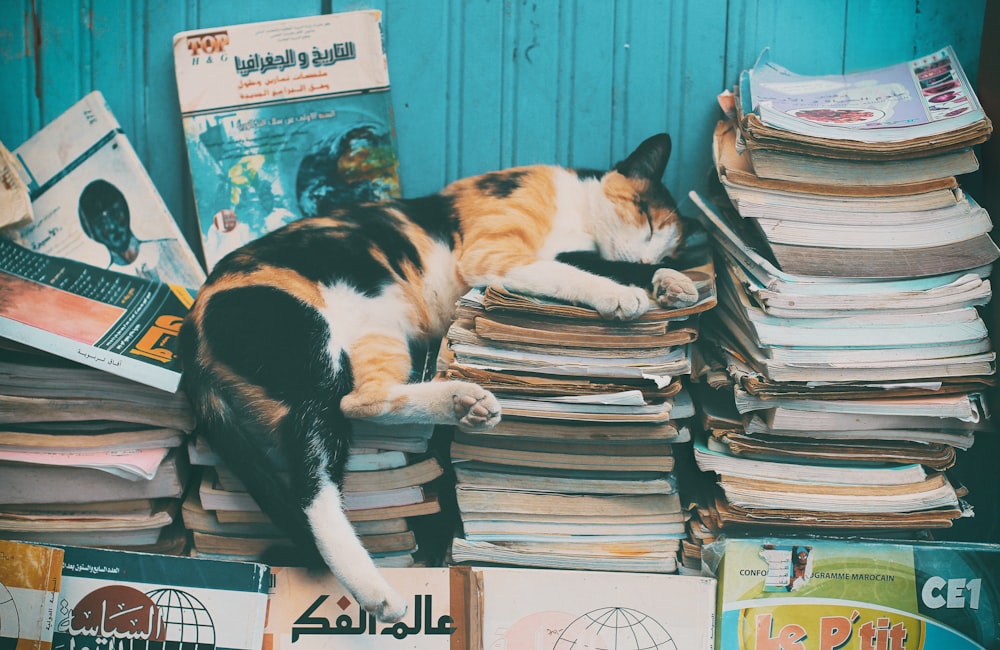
(477, 84)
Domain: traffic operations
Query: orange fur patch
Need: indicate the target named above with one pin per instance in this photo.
(378, 363)
(622, 190)
(506, 232)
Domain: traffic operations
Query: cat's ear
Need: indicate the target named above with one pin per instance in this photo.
(649, 160)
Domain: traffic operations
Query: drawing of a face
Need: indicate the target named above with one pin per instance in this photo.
(104, 215)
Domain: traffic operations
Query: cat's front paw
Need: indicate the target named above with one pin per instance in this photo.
(391, 609)
(476, 409)
(673, 289)
(625, 303)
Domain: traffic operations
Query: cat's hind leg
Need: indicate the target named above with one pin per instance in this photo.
(380, 367)
(317, 434)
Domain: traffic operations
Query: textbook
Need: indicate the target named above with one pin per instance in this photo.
(94, 202)
(807, 592)
(30, 577)
(283, 120)
(104, 319)
(154, 600)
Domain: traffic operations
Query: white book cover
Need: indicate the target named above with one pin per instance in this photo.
(94, 202)
(543, 609)
(313, 611)
(133, 601)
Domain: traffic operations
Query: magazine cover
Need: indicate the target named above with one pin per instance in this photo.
(828, 594)
(140, 601)
(283, 120)
(311, 610)
(549, 609)
(929, 95)
(29, 584)
(94, 202)
(119, 323)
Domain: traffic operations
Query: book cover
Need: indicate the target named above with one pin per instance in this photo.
(832, 593)
(104, 319)
(928, 95)
(133, 601)
(284, 119)
(94, 202)
(560, 610)
(29, 584)
(312, 610)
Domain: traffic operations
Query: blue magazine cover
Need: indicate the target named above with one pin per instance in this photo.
(284, 120)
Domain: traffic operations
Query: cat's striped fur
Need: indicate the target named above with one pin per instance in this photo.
(313, 323)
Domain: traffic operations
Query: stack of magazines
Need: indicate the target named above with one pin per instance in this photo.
(847, 353)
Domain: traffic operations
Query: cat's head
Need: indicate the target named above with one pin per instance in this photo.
(646, 226)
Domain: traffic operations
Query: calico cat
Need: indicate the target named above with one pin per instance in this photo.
(313, 324)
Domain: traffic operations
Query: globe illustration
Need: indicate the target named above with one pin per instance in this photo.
(9, 624)
(186, 620)
(615, 628)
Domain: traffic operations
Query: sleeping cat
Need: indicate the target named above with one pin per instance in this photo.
(313, 323)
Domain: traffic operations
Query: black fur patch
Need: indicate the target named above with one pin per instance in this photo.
(271, 339)
(588, 174)
(500, 185)
(435, 214)
(334, 253)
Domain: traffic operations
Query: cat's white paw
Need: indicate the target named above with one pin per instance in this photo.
(476, 409)
(391, 609)
(673, 289)
(624, 303)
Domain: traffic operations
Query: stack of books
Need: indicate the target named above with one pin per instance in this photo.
(392, 477)
(89, 458)
(854, 357)
(579, 473)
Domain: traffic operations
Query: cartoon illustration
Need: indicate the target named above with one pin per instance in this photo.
(788, 567)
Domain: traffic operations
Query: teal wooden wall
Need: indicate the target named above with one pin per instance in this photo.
(477, 84)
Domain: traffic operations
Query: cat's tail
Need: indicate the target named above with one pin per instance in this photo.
(237, 443)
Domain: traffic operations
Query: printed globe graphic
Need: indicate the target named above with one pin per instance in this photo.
(185, 618)
(9, 625)
(615, 628)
